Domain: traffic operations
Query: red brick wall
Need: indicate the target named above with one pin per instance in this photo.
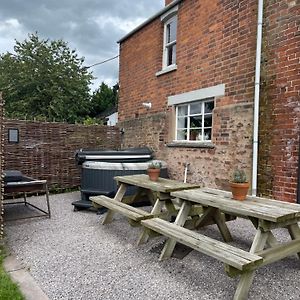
(280, 101)
(216, 44)
(46, 150)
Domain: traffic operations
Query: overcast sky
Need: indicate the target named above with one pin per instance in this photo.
(92, 27)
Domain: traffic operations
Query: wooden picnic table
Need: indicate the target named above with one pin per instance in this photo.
(159, 191)
(265, 214)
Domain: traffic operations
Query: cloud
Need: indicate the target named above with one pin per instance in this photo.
(92, 27)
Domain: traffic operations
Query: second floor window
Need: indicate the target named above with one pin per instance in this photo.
(194, 121)
(170, 36)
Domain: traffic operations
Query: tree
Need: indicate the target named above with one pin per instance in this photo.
(45, 79)
(103, 99)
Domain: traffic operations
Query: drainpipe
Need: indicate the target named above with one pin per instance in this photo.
(256, 96)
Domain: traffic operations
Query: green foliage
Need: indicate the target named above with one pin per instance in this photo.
(8, 289)
(92, 121)
(239, 176)
(155, 165)
(45, 80)
(104, 98)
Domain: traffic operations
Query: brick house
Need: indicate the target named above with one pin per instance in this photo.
(193, 84)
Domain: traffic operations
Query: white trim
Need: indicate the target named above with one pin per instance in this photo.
(213, 91)
(166, 45)
(166, 70)
(169, 14)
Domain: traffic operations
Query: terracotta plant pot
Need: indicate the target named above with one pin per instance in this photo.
(239, 190)
(153, 174)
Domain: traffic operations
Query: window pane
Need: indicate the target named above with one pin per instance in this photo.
(181, 134)
(171, 52)
(207, 120)
(209, 106)
(196, 121)
(182, 110)
(195, 135)
(195, 108)
(172, 31)
(182, 122)
(207, 134)
(174, 55)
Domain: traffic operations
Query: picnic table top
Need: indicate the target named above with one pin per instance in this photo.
(261, 208)
(162, 185)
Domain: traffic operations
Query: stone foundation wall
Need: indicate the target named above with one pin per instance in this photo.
(232, 145)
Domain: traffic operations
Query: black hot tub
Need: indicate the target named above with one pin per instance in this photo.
(98, 169)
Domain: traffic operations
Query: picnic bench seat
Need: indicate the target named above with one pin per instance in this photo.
(235, 257)
(128, 211)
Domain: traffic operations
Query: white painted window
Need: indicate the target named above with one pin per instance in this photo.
(194, 121)
(170, 37)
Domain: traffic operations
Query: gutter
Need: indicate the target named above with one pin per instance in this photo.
(256, 96)
(158, 14)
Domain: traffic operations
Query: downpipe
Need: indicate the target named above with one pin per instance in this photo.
(256, 96)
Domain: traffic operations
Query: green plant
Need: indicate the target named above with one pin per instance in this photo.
(155, 165)
(8, 289)
(239, 176)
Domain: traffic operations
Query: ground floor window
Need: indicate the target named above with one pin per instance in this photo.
(194, 121)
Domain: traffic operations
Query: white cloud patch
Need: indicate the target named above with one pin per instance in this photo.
(126, 25)
(10, 28)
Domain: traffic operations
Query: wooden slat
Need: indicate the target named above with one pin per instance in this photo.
(162, 185)
(273, 202)
(246, 208)
(228, 254)
(279, 251)
(122, 208)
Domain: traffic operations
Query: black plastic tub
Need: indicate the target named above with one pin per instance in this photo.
(97, 178)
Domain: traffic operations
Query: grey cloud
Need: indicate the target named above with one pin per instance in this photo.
(87, 25)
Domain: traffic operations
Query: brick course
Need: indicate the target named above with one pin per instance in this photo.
(47, 150)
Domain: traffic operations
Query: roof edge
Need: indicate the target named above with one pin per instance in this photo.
(158, 14)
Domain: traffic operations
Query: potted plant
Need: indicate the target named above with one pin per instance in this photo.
(154, 170)
(239, 185)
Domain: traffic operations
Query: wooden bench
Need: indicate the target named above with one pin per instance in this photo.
(232, 256)
(128, 211)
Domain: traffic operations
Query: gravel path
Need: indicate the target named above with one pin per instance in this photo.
(73, 256)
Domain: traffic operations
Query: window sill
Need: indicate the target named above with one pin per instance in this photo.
(167, 70)
(207, 145)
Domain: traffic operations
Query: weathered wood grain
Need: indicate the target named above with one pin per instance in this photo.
(228, 254)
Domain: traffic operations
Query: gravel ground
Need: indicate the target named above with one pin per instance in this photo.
(73, 256)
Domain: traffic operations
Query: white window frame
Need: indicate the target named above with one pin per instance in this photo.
(189, 115)
(170, 44)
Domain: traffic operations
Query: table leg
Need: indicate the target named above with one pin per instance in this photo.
(294, 232)
(221, 223)
(47, 200)
(180, 220)
(118, 197)
(246, 279)
(155, 210)
(271, 240)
